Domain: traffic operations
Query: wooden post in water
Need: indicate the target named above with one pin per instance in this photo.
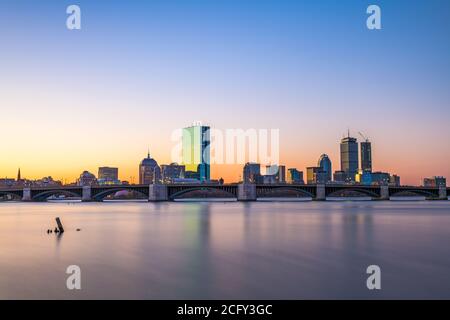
(60, 226)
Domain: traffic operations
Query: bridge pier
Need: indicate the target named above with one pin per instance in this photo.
(246, 192)
(87, 194)
(384, 193)
(157, 192)
(320, 193)
(26, 194)
(443, 193)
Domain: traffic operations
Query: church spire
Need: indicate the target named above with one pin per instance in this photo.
(19, 176)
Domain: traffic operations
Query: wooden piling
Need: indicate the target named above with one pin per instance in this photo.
(60, 226)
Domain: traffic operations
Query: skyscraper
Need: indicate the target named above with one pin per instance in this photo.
(196, 151)
(325, 165)
(349, 157)
(366, 156)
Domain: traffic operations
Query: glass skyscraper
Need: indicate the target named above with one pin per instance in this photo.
(349, 157)
(366, 156)
(196, 151)
(325, 164)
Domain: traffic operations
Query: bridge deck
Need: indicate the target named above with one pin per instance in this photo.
(262, 190)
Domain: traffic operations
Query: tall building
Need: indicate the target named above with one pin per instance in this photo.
(172, 172)
(366, 156)
(252, 173)
(108, 175)
(149, 171)
(349, 157)
(325, 165)
(295, 176)
(196, 151)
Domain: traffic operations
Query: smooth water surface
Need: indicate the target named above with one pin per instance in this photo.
(226, 250)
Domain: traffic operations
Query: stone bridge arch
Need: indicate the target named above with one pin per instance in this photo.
(268, 191)
(15, 194)
(423, 192)
(43, 195)
(175, 192)
(99, 193)
(336, 191)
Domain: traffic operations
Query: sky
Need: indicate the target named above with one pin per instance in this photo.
(74, 100)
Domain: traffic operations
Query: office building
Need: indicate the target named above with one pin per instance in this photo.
(108, 176)
(366, 156)
(172, 172)
(149, 171)
(252, 173)
(269, 179)
(316, 175)
(381, 178)
(339, 176)
(281, 174)
(278, 172)
(193, 175)
(325, 165)
(294, 176)
(196, 151)
(364, 178)
(349, 157)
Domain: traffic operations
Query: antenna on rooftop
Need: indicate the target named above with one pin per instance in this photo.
(364, 137)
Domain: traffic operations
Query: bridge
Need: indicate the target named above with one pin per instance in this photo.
(240, 192)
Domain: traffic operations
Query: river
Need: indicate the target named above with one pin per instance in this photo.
(226, 250)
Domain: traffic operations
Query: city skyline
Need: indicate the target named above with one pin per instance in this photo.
(78, 100)
(149, 169)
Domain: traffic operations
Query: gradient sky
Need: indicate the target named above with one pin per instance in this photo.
(76, 100)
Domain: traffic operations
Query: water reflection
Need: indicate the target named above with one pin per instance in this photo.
(258, 250)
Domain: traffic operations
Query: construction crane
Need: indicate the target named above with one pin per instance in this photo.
(364, 137)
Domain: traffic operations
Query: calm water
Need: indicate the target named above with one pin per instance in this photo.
(279, 250)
